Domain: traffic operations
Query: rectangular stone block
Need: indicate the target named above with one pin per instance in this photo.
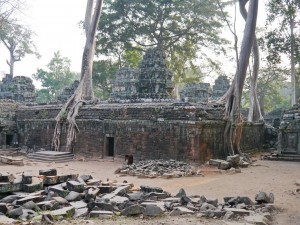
(50, 180)
(29, 198)
(49, 172)
(105, 189)
(64, 178)
(75, 186)
(26, 179)
(8, 187)
(30, 188)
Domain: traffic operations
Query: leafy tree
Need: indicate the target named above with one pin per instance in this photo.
(283, 39)
(181, 27)
(18, 40)
(56, 78)
(103, 72)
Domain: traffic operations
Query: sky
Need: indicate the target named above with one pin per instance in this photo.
(56, 24)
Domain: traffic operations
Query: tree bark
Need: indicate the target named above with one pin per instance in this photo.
(292, 61)
(84, 90)
(233, 128)
(254, 109)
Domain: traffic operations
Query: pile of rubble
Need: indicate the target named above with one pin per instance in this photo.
(158, 168)
(235, 161)
(57, 197)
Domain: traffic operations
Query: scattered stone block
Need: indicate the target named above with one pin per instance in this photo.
(9, 199)
(106, 206)
(73, 196)
(148, 189)
(262, 197)
(78, 204)
(180, 193)
(10, 187)
(30, 188)
(135, 196)
(153, 211)
(119, 200)
(28, 214)
(60, 200)
(215, 162)
(65, 178)
(181, 211)
(50, 180)
(30, 205)
(15, 213)
(29, 198)
(49, 172)
(26, 179)
(101, 214)
(223, 165)
(59, 190)
(65, 212)
(75, 186)
(105, 189)
(235, 211)
(81, 212)
(258, 220)
(133, 210)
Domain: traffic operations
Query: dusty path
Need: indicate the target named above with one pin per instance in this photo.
(268, 176)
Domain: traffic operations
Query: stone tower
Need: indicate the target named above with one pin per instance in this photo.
(155, 78)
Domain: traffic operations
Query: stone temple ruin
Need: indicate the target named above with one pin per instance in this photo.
(19, 89)
(151, 81)
(140, 119)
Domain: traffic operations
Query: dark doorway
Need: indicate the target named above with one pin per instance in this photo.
(110, 145)
(9, 139)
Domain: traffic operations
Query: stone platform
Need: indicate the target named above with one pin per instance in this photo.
(51, 156)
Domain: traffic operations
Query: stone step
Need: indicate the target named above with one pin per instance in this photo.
(51, 156)
(295, 158)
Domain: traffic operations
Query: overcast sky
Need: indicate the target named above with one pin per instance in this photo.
(56, 24)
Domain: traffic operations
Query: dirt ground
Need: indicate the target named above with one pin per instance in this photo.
(268, 176)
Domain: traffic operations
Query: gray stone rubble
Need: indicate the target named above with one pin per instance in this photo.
(158, 168)
(74, 198)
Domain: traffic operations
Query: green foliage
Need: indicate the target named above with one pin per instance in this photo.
(56, 78)
(18, 40)
(132, 57)
(103, 72)
(271, 89)
(181, 27)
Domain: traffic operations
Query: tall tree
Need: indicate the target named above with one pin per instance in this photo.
(284, 14)
(176, 26)
(233, 128)
(18, 40)
(84, 92)
(254, 114)
(57, 76)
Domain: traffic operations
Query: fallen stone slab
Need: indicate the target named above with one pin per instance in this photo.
(257, 220)
(49, 172)
(10, 187)
(119, 200)
(133, 210)
(224, 165)
(106, 206)
(50, 180)
(135, 196)
(151, 189)
(9, 199)
(15, 213)
(65, 178)
(30, 205)
(101, 214)
(30, 188)
(172, 199)
(65, 212)
(242, 212)
(73, 196)
(75, 186)
(58, 189)
(262, 197)
(180, 211)
(158, 204)
(81, 212)
(60, 200)
(37, 198)
(215, 162)
(11, 161)
(153, 210)
(78, 204)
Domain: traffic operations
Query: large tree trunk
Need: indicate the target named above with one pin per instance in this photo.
(84, 91)
(233, 129)
(254, 109)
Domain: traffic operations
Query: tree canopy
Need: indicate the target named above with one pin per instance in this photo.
(57, 76)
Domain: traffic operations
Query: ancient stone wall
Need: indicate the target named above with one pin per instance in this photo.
(8, 127)
(147, 131)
